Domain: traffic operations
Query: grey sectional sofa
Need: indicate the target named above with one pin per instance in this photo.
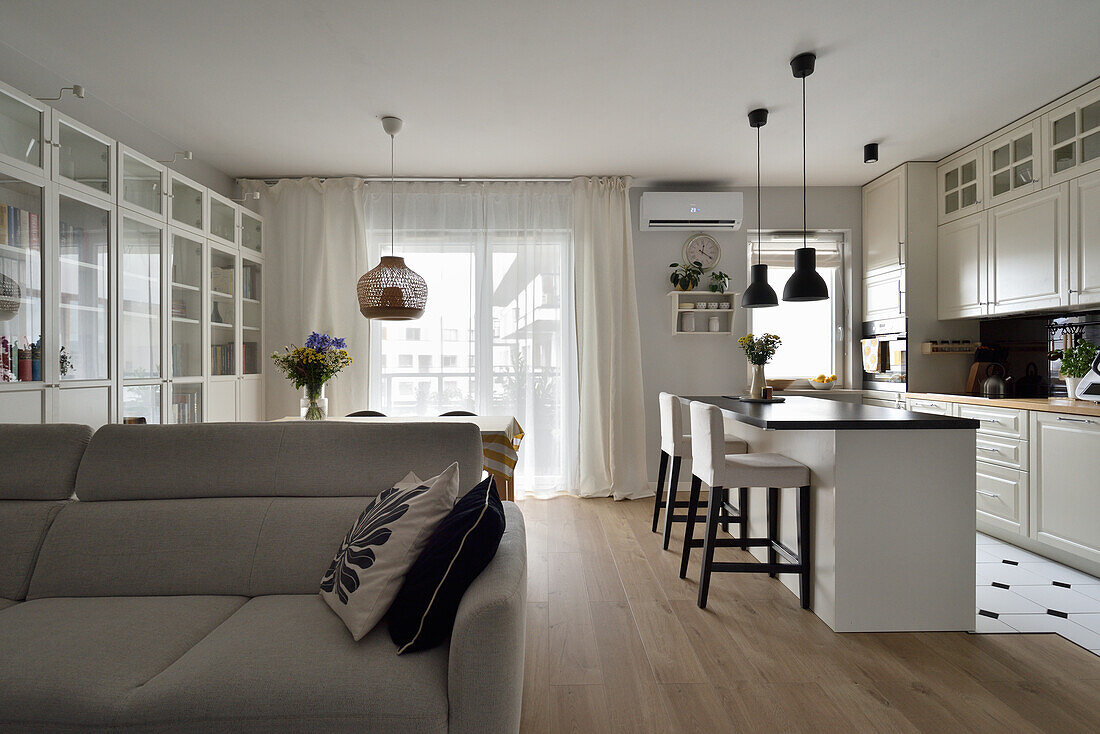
(178, 591)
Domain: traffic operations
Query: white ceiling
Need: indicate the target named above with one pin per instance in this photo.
(656, 89)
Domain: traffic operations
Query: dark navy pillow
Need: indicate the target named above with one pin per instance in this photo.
(422, 615)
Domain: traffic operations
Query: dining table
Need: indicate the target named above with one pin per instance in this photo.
(500, 441)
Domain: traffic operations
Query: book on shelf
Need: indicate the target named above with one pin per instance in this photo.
(221, 279)
(221, 359)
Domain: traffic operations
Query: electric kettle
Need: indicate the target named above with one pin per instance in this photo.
(994, 385)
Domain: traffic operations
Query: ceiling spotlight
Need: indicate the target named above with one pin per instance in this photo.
(870, 153)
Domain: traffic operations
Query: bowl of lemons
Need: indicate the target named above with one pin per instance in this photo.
(823, 382)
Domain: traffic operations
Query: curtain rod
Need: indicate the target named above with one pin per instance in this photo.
(412, 179)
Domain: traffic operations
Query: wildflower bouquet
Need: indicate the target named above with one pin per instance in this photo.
(312, 365)
(761, 349)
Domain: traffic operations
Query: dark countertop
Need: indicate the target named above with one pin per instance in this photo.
(816, 414)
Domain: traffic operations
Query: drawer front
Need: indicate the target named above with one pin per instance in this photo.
(997, 421)
(1010, 452)
(923, 405)
(1002, 496)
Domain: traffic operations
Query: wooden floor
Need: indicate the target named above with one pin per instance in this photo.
(615, 643)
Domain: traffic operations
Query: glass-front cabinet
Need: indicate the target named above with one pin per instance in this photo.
(251, 316)
(22, 203)
(141, 325)
(223, 219)
(1012, 164)
(223, 312)
(186, 203)
(23, 123)
(141, 183)
(1071, 135)
(82, 158)
(959, 185)
(185, 329)
(252, 231)
(84, 278)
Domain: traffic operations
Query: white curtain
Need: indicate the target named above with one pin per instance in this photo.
(315, 245)
(611, 433)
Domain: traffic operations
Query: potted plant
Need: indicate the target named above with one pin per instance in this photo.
(310, 367)
(759, 350)
(686, 277)
(1076, 363)
(718, 281)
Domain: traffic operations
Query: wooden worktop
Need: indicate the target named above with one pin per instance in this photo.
(1047, 405)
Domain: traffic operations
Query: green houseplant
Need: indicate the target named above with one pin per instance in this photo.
(719, 281)
(686, 277)
(1076, 363)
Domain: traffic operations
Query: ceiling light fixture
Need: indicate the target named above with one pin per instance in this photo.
(392, 291)
(805, 284)
(870, 153)
(759, 294)
(76, 89)
(184, 154)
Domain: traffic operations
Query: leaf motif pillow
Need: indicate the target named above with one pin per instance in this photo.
(370, 566)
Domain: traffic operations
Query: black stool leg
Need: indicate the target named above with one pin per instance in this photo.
(658, 500)
(714, 504)
(725, 499)
(773, 524)
(743, 512)
(670, 507)
(689, 531)
(804, 556)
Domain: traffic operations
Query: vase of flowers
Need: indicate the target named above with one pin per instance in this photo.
(759, 350)
(309, 367)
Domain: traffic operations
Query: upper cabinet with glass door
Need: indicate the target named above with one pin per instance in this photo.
(141, 247)
(82, 157)
(23, 131)
(84, 275)
(1012, 164)
(22, 203)
(141, 183)
(959, 185)
(252, 230)
(222, 215)
(1071, 139)
(186, 203)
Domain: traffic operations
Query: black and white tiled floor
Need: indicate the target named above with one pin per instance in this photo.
(1019, 591)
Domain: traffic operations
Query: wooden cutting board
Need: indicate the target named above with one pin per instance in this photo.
(978, 372)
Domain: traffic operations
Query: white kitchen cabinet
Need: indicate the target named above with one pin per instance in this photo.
(24, 132)
(222, 219)
(82, 158)
(1029, 252)
(251, 400)
(1002, 497)
(959, 182)
(1071, 139)
(884, 295)
(1065, 464)
(884, 222)
(141, 183)
(1012, 164)
(1084, 254)
(962, 268)
(924, 405)
(1006, 422)
(186, 204)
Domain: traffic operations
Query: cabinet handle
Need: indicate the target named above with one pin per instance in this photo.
(990, 449)
(901, 253)
(1074, 420)
(983, 493)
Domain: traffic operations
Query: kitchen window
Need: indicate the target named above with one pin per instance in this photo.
(813, 332)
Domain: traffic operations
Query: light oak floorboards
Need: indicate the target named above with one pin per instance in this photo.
(615, 643)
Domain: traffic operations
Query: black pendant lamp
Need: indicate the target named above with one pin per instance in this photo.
(759, 294)
(805, 284)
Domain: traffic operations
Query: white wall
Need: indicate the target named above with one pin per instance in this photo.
(35, 80)
(716, 365)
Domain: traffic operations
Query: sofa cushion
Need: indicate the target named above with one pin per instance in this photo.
(286, 664)
(76, 662)
(289, 459)
(23, 527)
(5, 603)
(40, 461)
(371, 563)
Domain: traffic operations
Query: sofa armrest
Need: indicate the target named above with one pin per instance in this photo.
(485, 666)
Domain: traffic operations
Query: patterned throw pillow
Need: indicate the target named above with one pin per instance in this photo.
(371, 563)
(463, 544)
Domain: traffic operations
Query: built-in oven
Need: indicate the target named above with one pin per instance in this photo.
(883, 346)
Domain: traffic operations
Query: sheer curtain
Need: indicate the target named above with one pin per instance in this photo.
(498, 336)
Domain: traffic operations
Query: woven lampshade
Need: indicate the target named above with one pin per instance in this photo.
(392, 291)
(10, 298)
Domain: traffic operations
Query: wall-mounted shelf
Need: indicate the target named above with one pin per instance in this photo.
(689, 316)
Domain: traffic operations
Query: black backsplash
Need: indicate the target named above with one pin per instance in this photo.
(1029, 339)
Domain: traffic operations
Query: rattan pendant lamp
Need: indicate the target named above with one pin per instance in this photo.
(392, 291)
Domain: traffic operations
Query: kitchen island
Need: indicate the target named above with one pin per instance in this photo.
(893, 508)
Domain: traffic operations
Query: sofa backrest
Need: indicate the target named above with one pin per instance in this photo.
(291, 459)
(219, 533)
(38, 465)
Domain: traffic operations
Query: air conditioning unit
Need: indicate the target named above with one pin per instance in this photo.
(691, 210)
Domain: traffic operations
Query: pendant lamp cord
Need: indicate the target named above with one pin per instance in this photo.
(758, 235)
(803, 162)
(391, 177)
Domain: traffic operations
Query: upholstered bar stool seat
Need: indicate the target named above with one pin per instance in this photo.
(676, 445)
(712, 465)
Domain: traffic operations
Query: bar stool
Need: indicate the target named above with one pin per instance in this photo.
(677, 446)
(720, 471)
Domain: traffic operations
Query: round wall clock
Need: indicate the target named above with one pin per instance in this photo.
(704, 249)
